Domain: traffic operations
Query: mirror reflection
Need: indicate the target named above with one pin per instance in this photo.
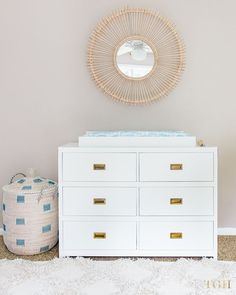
(135, 59)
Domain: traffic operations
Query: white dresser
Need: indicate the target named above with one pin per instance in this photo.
(137, 201)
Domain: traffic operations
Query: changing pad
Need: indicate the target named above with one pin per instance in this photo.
(135, 138)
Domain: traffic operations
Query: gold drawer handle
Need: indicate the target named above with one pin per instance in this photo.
(99, 166)
(176, 235)
(176, 201)
(99, 235)
(99, 201)
(176, 166)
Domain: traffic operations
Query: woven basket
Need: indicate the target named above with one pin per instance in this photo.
(30, 215)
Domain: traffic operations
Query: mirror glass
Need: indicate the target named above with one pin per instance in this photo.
(135, 59)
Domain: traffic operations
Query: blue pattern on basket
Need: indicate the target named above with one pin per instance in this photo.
(21, 180)
(37, 180)
(4, 227)
(45, 248)
(20, 221)
(20, 199)
(3, 207)
(20, 242)
(27, 187)
(46, 207)
(51, 182)
(46, 228)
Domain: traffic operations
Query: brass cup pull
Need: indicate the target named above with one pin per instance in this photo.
(176, 201)
(176, 235)
(99, 166)
(99, 235)
(176, 166)
(99, 201)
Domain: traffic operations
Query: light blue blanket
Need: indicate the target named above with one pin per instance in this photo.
(136, 133)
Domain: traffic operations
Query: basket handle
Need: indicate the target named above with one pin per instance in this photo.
(12, 179)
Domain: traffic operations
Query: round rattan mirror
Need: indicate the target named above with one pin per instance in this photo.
(135, 55)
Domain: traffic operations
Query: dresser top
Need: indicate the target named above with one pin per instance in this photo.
(73, 146)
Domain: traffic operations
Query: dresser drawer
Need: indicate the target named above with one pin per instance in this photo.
(177, 201)
(99, 166)
(99, 201)
(176, 235)
(99, 235)
(176, 167)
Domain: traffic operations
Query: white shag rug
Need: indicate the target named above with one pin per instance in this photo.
(83, 276)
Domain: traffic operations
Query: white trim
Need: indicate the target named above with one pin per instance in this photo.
(1, 231)
(227, 231)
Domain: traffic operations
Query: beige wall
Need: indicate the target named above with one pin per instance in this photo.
(47, 97)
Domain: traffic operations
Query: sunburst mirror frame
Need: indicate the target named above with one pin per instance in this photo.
(136, 24)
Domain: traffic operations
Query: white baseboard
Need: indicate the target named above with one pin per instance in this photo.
(227, 231)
